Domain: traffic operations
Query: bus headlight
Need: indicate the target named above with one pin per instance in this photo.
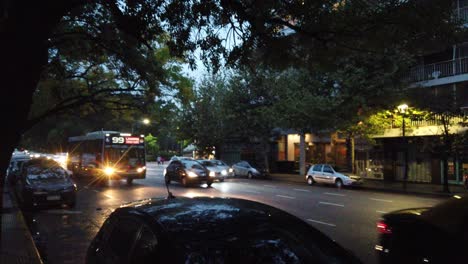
(140, 170)
(109, 171)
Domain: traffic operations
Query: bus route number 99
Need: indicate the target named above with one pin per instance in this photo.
(118, 140)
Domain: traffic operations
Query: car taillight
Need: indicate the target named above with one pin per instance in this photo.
(383, 228)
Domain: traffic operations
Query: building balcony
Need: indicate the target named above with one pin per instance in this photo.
(425, 127)
(440, 73)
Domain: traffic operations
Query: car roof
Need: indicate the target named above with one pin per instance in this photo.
(208, 222)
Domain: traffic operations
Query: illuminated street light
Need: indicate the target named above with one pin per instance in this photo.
(145, 121)
(402, 109)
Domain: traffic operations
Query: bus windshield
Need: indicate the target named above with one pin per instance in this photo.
(130, 156)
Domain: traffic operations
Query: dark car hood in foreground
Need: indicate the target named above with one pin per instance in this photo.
(240, 230)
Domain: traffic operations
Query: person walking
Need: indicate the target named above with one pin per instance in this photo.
(159, 160)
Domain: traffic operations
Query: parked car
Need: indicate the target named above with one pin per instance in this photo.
(187, 172)
(325, 173)
(220, 173)
(245, 169)
(223, 165)
(425, 235)
(44, 182)
(210, 230)
(15, 166)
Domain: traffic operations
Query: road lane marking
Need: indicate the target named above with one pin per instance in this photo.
(301, 190)
(271, 186)
(334, 204)
(381, 200)
(381, 212)
(320, 222)
(284, 196)
(335, 194)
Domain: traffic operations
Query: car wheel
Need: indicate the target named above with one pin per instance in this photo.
(184, 181)
(249, 175)
(129, 181)
(209, 184)
(338, 183)
(167, 179)
(310, 180)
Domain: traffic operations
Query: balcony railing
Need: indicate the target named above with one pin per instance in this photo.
(462, 13)
(438, 70)
(435, 120)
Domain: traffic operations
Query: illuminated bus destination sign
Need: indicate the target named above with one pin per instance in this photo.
(132, 140)
(125, 140)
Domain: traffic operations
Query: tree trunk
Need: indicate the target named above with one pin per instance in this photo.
(302, 165)
(25, 27)
(350, 157)
(445, 171)
(266, 151)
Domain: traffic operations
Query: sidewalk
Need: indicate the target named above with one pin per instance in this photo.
(17, 245)
(383, 186)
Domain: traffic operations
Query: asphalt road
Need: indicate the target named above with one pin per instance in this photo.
(346, 215)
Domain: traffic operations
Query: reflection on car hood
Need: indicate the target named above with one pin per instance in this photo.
(225, 224)
(215, 168)
(50, 185)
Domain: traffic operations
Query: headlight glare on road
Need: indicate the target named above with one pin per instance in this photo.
(212, 174)
(192, 174)
(109, 171)
(224, 172)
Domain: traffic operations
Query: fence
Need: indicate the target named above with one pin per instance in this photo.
(438, 70)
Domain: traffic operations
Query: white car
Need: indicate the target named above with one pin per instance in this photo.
(243, 168)
(324, 173)
(221, 164)
(220, 172)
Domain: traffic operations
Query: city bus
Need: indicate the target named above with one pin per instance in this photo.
(107, 155)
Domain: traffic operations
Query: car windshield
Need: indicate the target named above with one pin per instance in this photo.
(208, 163)
(219, 163)
(191, 164)
(38, 173)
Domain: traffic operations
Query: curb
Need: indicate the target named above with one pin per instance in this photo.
(379, 189)
(35, 257)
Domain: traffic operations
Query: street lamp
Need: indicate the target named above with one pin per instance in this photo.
(402, 109)
(145, 121)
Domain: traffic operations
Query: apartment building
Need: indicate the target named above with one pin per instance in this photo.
(438, 81)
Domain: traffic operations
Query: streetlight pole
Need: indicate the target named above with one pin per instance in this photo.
(402, 109)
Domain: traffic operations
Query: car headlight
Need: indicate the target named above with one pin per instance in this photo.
(192, 174)
(231, 170)
(139, 170)
(224, 172)
(212, 174)
(109, 171)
